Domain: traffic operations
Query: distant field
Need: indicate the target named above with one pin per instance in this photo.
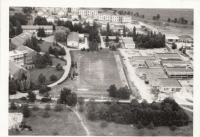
(164, 13)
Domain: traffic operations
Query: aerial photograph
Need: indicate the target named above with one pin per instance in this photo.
(83, 71)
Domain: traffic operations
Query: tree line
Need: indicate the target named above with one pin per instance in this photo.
(157, 17)
(121, 93)
(166, 113)
(152, 40)
(179, 20)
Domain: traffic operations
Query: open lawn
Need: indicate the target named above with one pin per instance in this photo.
(59, 123)
(47, 72)
(114, 129)
(45, 46)
(97, 71)
(56, 61)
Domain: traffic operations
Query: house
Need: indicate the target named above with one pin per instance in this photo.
(34, 28)
(89, 20)
(61, 12)
(17, 57)
(84, 12)
(21, 39)
(128, 42)
(73, 40)
(50, 19)
(29, 56)
(45, 15)
(40, 12)
(139, 61)
(179, 72)
(15, 70)
(171, 56)
(174, 63)
(63, 18)
(74, 16)
(168, 85)
(171, 38)
(75, 21)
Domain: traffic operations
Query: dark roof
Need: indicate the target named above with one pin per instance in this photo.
(73, 36)
(168, 55)
(167, 82)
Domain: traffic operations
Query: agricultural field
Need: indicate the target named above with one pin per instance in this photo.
(59, 123)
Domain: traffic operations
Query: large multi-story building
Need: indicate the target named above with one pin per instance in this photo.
(111, 17)
(17, 57)
(88, 12)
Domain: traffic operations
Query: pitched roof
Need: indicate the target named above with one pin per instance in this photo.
(73, 36)
(37, 27)
(167, 82)
(24, 49)
(20, 39)
(179, 70)
(14, 67)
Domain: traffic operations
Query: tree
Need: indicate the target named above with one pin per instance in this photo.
(11, 30)
(56, 52)
(71, 100)
(31, 96)
(18, 17)
(41, 78)
(108, 28)
(60, 36)
(112, 91)
(28, 84)
(41, 32)
(51, 51)
(117, 39)
(13, 106)
(62, 51)
(134, 32)
(18, 28)
(175, 20)
(41, 21)
(168, 20)
(26, 111)
(107, 39)
(184, 51)
(174, 46)
(63, 95)
(81, 100)
(21, 85)
(53, 77)
(123, 93)
(158, 16)
(12, 87)
(38, 49)
(124, 32)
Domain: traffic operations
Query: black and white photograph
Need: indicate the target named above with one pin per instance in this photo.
(85, 70)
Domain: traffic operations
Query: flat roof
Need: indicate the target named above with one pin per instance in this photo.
(167, 82)
(73, 36)
(165, 61)
(179, 70)
(171, 36)
(37, 26)
(128, 40)
(152, 73)
(15, 52)
(142, 57)
(153, 63)
(162, 55)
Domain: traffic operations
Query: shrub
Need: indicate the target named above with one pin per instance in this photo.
(81, 108)
(31, 96)
(174, 46)
(139, 125)
(46, 114)
(81, 101)
(26, 111)
(146, 82)
(88, 50)
(58, 107)
(173, 127)
(53, 77)
(47, 107)
(150, 126)
(101, 48)
(83, 49)
(104, 124)
(35, 108)
(13, 106)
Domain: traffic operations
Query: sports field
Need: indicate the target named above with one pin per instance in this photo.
(97, 71)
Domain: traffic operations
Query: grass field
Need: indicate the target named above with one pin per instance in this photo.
(47, 72)
(45, 46)
(60, 123)
(114, 129)
(97, 71)
(56, 61)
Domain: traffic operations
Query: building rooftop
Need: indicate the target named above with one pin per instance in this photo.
(37, 26)
(24, 49)
(73, 36)
(128, 40)
(179, 70)
(185, 37)
(20, 39)
(14, 67)
(15, 52)
(171, 36)
(152, 73)
(166, 55)
(153, 63)
(167, 82)
(142, 57)
(165, 61)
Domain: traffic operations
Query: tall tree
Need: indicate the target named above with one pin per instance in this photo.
(112, 91)
(18, 17)
(108, 28)
(124, 31)
(134, 32)
(18, 28)
(11, 30)
(12, 87)
(21, 85)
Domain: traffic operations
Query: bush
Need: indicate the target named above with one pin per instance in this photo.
(174, 46)
(53, 77)
(81, 108)
(88, 50)
(35, 108)
(47, 107)
(150, 126)
(58, 107)
(81, 100)
(13, 106)
(26, 111)
(46, 114)
(101, 48)
(139, 125)
(45, 99)
(104, 124)
(173, 127)
(83, 49)
(146, 82)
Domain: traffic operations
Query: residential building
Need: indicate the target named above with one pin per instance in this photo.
(73, 10)
(128, 42)
(74, 16)
(63, 18)
(73, 40)
(168, 85)
(45, 15)
(34, 28)
(21, 39)
(40, 12)
(61, 12)
(171, 56)
(89, 20)
(17, 57)
(50, 19)
(179, 72)
(185, 39)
